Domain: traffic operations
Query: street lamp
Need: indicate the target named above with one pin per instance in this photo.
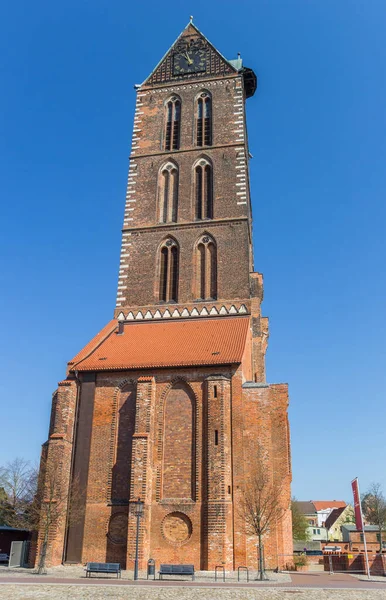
(138, 506)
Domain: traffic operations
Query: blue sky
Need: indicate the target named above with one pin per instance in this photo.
(317, 132)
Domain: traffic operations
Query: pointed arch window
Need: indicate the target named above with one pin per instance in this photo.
(168, 277)
(172, 123)
(203, 190)
(204, 120)
(206, 269)
(168, 193)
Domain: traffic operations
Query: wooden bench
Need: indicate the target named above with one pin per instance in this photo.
(103, 568)
(176, 570)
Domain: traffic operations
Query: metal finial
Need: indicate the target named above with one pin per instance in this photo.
(191, 18)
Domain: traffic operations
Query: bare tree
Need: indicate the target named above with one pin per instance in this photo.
(262, 504)
(374, 508)
(54, 504)
(18, 481)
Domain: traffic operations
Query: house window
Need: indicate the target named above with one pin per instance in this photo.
(168, 193)
(203, 188)
(206, 269)
(204, 120)
(361, 537)
(172, 126)
(168, 277)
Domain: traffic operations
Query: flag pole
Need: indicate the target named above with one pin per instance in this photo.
(359, 519)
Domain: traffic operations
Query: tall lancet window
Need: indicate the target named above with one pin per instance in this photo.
(203, 189)
(168, 193)
(172, 123)
(206, 268)
(168, 271)
(204, 120)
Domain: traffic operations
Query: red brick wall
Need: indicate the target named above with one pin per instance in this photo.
(181, 439)
(179, 445)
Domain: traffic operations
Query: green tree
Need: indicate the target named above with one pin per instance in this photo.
(374, 508)
(300, 531)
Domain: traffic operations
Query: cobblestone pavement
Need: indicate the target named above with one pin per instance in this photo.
(101, 592)
(75, 572)
(67, 583)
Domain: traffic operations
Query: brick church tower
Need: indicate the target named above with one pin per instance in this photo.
(169, 401)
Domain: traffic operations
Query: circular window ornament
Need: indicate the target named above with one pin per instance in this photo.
(177, 528)
(117, 529)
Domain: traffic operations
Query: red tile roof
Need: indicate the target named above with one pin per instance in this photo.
(323, 504)
(165, 344)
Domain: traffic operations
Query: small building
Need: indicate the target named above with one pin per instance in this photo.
(337, 518)
(324, 508)
(12, 534)
(355, 538)
(317, 513)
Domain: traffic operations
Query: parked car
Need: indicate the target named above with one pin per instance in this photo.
(4, 558)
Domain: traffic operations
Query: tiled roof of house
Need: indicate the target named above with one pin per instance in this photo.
(323, 504)
(306, 508)
(165, 344)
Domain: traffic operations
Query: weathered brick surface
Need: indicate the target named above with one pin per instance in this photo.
(181, 439)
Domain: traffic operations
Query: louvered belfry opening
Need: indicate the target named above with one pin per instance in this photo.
(173, 119)
(206, 266)
(203, 190)
(168, 269)
(204, 120)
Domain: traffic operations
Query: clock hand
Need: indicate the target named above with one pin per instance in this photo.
(188, 58)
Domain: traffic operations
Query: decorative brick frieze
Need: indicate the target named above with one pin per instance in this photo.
(198, 310)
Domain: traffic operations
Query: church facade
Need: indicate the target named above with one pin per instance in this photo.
(169, 401)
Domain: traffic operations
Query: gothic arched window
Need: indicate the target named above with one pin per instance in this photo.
(168, 271)
(172, 123)
(206, 268)
(204, 120)
(168, 193)
(203, 189)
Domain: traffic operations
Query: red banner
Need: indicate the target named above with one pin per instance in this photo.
(357, 504)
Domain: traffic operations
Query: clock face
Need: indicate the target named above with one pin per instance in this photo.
(189, 61)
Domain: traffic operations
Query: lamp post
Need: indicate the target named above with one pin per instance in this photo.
(138, 506)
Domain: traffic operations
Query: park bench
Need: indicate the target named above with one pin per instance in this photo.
(176, 570)
(103, 568)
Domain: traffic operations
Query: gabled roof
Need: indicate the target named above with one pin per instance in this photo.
(306, 508)
(325, 504)
(165, 344)
(334, 515)
(192, 29)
